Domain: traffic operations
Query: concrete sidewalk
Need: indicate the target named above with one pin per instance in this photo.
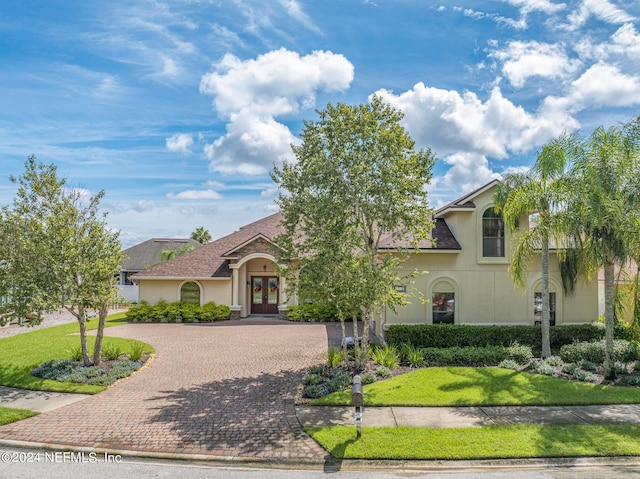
(40, 401)
(453, 417)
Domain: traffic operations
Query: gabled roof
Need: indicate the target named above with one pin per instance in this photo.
(465, 203)
(147, 253)
(441, 235)
(230, 254)
(209, 261)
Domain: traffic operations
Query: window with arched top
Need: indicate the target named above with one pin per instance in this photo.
(443, 303)
(190, 293)
(492, 234)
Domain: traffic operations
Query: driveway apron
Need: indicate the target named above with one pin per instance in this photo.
(223, 389)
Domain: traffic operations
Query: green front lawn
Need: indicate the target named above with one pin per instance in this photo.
(406, 443)
(21, 353)
(462, 386)
(8, 415)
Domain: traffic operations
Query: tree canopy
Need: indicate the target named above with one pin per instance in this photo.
(58, 252)
(353, 202)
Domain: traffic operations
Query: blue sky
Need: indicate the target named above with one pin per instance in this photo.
(178, 109)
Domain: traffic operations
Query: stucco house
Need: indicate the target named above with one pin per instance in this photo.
(467, 280)
(144, 255)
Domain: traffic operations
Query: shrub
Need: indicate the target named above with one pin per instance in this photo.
(311, 379)
(587, 365)
(384, 372)
(522, 354)
(320, 312)
(111, 351)
(386, 356)
(569, 368)
(367, 379)
(338, 380)
(594, 351)
(508, 364)
(469, 356)
(178, 312)
(316, 391)
(136, 350)
(448, 335)
(542, 367)
(555, 361)
(620, 368)
(585, 376)
(69, 371)
(316, 369)
(75, 353)
(634, 381)
(412, 355)
(334, 357)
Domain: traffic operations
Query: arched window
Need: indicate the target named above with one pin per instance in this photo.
(443, 303)
(492, 234)
(190, 293)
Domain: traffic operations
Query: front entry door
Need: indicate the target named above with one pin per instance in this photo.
(264, 295)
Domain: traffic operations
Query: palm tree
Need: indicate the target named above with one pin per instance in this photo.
(541, 190)
(606, 184)
(167, 254)
(201, 235)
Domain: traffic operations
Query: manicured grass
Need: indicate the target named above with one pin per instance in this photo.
(479, 443)
(8, 415)
(21, 353)
(460, 386)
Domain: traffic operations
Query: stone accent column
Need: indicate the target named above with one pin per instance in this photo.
(235, 293)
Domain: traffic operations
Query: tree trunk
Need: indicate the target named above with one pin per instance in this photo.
(343, 328)
(97, 350)
(609, 370)
(356, 344)
(82, 322)
(546, 313)
(365, 336)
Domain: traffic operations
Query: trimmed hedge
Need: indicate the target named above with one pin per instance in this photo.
(449, 335)
(316, 312)
(623, 351)
(177, 312)
(465, 356)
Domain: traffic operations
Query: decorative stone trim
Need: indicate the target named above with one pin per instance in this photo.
(235, 312)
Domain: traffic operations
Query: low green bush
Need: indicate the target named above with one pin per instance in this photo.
(111, 351)
(386, 356)
(178, 312)
(316, 312)
(466, 356)
(594, 351)
(334, 357)
(384, 372)
(520, 353)
(508, 364)
(413, 356)
(70, 371)
(449, 335)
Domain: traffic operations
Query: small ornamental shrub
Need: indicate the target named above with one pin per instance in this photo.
(316, 369)
(316, 312)
(555, 361)
(386, 356)
(508, 364)
(111, 351)
(384, 372)
(367, 379)
(75, 353)
(620, 368)
(569, 368)
(334, 357)
(136, 350)
(587, 365)
(70, 371)
(339, 379)
(585, 376)
(623, 351)
(520, 353)
(542, 367)
(316, 391)
(413, 356)
(634, 381)
(636, 366)
(177, 312)
(311, 379)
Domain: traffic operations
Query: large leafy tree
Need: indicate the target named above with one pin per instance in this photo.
(58, 252)
(543, 191)
(353, 203)
(604, 210)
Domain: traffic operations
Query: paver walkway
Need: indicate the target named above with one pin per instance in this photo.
(222, 389)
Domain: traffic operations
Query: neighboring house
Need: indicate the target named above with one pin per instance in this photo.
(143, 256)
(467, 280)
(625, 280)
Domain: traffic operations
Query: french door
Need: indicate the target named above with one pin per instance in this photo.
(264, 295)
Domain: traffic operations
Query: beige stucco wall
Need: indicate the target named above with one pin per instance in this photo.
(152, 291)
(484, 291)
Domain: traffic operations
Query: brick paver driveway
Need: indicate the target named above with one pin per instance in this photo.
(223, 389)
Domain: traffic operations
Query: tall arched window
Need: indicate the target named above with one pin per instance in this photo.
(443, 303)
(190, 293)
(492, 234)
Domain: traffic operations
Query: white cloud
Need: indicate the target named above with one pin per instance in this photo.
(252, 93)
(179, 143)
(528, 6)
(468, 171)
(451, 122)
(143, 206)
(601, 9)
(196, 195)
(624, 43)
(605, 85)
(522, 60)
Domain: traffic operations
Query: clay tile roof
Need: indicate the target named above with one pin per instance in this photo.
(207, 261)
